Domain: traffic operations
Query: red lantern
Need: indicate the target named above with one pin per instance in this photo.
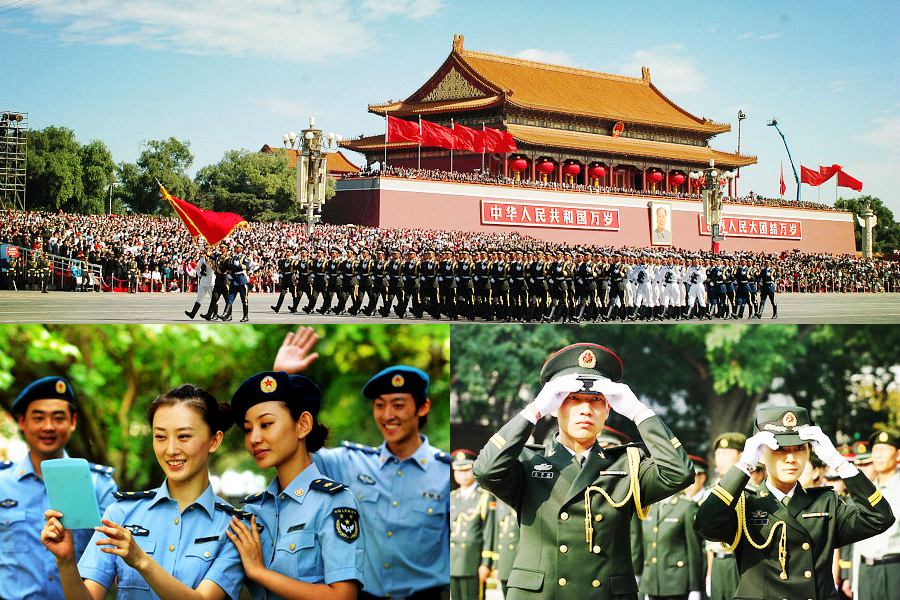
(597, 172)
(520, 164)
(573, 169)
(545, 167)
(677, 179)
(655, 177)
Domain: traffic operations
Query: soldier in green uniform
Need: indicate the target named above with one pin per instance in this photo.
(722, 574)
(471, 531)
(784, 536)
(134, 274)
(575, 500)
(506, 541)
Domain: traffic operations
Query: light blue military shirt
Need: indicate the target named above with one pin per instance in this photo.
(189, 544)
(316, 534)
(27, 569)
(406, 513)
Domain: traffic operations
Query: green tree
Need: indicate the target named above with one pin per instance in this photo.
(117, 371)
(98, 171)
(54, 170)
(163, 160)
(886, 235)
(258, 186)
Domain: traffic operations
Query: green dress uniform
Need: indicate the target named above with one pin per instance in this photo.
(574, 542)
(506, 541)
(674, 563)
(793, 559)
(471, 528)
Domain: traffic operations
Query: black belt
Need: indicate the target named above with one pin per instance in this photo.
(433, 593)
(871, 562)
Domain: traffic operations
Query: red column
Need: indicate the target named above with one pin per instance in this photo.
(532, 166)
(505, 164)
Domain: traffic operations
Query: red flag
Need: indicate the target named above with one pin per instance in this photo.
(828, 172)
(437, 136)
(498, 141)
(810, 177)
(400, 130)
(213, 226)
(783, 187)
(467, 138)
(845, 180)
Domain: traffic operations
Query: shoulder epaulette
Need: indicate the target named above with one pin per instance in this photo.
(818, 489)
(443, 457)
(241, 514)
(326, 485)
(102, 469)
(5, 464)
(362, 447)
(252, 498)
(134, 495)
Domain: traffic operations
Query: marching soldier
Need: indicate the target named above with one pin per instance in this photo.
(379, 282)
(471, 531)
(518, 289)
(575, 500)
(500, 286)
(204, 281)
(767, 290)
(285, 266)
(409, 271)
(537, 288)
(333, 278)
(319, 276)
(364, 271)
(556, 285)
(236, 268)
(482, 280)
(506, 541)
(428, 285)
(618, 272)
(302, 278)
(784, 536)
(349, 281)
(220, 282)
(465, 288)
(447, 285)
(394, 271)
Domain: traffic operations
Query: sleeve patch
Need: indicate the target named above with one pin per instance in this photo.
(346, 523)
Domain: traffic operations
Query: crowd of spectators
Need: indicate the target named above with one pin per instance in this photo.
(485, 177)
(166, 255)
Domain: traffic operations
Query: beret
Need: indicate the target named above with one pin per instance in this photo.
(783, 421)
(46, 388)
(399, 379)
(294, 390)
(591, 360)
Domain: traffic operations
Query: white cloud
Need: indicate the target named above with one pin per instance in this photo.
(770, 36)
(746, 36)
(885, 134)
(671, 70)
(284, 29)
(545, 56)
(752, 35)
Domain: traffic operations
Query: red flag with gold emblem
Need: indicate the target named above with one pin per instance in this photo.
(212, 226)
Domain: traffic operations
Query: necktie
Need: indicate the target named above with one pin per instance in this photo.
(785, 500)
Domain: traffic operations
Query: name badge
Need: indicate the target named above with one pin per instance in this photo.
(543, 474)
(757, 522)
(670, 520)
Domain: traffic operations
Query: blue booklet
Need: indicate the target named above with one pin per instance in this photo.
(70, 490)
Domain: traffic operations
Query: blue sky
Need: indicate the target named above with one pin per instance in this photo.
(232, 74)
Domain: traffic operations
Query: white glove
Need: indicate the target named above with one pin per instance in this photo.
(695, 595)
(554, 392)
(821, 444)
(708, 586)
(620, 397)
(754, 446)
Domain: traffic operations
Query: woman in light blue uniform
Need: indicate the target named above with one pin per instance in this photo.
(317, 547)
(167, 543)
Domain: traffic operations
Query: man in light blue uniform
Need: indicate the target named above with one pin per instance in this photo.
(403, 487)
(189, 544)
(46, 413)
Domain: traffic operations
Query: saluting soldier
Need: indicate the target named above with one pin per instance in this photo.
(471, 531)
(575, 500)
(506, 541)
(46, 411)
(784, 536)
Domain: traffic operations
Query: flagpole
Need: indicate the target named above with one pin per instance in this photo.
(452, 126)
(384, 166)
(482, 146)
(420, 142)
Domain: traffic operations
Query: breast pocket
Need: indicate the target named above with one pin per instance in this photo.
(129, 578)
(296, 555)
(12, 521)
(431, 516)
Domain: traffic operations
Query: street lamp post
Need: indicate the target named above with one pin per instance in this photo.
(774, 123)
(741, 116)
(312, 146)
(712, 183)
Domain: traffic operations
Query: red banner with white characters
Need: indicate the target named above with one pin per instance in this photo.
(547, 215)
(757, 227)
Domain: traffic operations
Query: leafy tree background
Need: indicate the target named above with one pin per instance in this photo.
(117, 371)
(704, 380)
(886, 235)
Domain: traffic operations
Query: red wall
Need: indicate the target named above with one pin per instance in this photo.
(403, 203)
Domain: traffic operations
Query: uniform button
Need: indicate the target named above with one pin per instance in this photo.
(50, 578)
(360, 496)
(598, 518)
(171, 548)
(806, 545)
(390, 534)
(387, 566)
(206, 554)
(395, 503)
(653, 560)
(653, 545)
(463, 545)
(291, 546)
(680, 563)
(807, 574)
(596, 549)
(512, 546)
(563, 548)
(562, 581)
(595, 583)
(430, 511)
(564, 516)
(655, 529)
(176, 521)
(400, 472)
